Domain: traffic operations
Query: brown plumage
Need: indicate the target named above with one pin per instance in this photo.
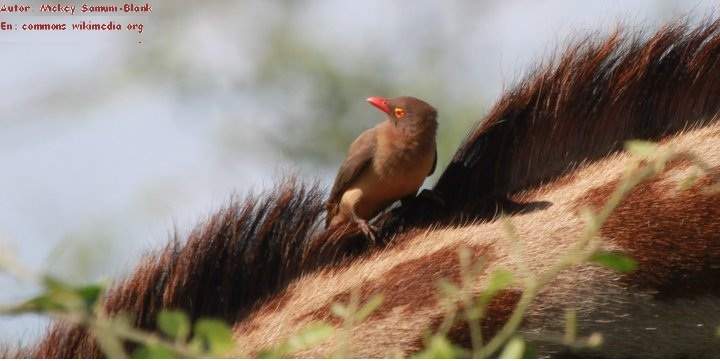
(386, 163)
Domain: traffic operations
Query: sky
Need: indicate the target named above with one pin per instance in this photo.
(109, 141)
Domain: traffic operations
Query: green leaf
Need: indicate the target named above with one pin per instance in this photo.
(307, 337)
(90, 294)
(514, 349)
(371, 305)
(499, 280)
(215, 335)
(53, 283)
(641, 148)
(196, 346)
(57, 297)
(530, 351)
(614, 260)
(61, 297)
(438, 346)
(110, 344)
(339, 310)
(174, 324)
(42, 303)
(154, 351)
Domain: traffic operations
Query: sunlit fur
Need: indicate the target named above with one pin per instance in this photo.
(548, 148)
(667, 308)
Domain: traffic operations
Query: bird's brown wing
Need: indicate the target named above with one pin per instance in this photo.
(360, 156)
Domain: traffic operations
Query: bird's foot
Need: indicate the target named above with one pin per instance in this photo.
(367, 229)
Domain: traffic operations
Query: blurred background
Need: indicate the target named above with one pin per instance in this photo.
(109, 141)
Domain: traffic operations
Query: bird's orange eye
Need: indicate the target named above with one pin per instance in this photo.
(399, 112)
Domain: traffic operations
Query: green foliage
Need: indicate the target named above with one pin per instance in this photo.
(334, 111)
(615, 260)
(61, 297)
(369, 307)
(214, 335)
(514, 349)
(154, 351)
(499, 280)
(352, 314)
(641, 148)
(174, 324)
(105, 335)
(308, 337)
(438, 346)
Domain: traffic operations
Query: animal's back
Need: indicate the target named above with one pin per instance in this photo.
(548, 149)
(668, 307)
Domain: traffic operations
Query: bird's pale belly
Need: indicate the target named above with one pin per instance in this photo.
(372, 193)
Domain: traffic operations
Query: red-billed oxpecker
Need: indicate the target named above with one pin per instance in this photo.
(386, 163)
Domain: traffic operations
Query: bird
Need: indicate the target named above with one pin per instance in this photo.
(386, 163)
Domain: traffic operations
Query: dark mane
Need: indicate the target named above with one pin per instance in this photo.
(582, 107)
(240, 254)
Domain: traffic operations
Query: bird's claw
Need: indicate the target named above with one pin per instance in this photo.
(367, 229)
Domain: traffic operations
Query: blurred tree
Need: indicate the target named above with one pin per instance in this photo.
(308, 95)
(320, 101)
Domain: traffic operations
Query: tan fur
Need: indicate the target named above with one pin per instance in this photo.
(629, 319)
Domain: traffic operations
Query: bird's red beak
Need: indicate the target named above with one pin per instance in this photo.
(380, 103)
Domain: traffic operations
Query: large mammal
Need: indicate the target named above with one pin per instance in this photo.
(549, 147)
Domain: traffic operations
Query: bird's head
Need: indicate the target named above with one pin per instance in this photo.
(406, 111)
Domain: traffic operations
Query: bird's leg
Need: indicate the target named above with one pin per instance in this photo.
(367, 229)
